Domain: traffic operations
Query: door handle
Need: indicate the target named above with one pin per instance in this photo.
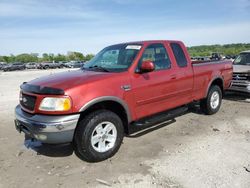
(173, 77)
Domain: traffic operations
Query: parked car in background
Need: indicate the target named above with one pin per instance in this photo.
(2, 64)
(230, 57)
(50, 65)
(215, 56)
(31, 65)
(241, 73)
(204, 58)
(14, 66)
(74, 64)
(63, 63)
(68, 64)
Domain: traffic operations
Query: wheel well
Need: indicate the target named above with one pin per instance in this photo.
(218, 82)
(113, 106)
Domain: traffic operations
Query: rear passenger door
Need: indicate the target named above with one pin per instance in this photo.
(184, 72)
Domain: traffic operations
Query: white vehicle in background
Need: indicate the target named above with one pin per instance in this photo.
(31, 65)
(241, 73)
(2, 64)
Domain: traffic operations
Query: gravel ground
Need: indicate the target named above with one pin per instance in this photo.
(193, 150)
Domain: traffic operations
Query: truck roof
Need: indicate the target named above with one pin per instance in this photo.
(150, 41)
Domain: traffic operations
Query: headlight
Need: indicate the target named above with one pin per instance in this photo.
(55, 104)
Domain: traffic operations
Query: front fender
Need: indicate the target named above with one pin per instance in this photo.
(108, 98)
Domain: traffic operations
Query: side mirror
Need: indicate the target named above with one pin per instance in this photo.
(147, 66)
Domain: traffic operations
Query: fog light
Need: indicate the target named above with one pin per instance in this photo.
(248, 87)
(59, 127)
(40, 137)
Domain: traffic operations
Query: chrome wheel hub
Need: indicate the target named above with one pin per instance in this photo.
(104, 136)
(215, 100)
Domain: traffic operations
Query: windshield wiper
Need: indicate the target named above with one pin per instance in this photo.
(99, 68)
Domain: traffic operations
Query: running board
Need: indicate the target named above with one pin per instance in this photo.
(156, 119)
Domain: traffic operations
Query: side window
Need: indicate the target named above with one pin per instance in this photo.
(179, 55)
(158, 55)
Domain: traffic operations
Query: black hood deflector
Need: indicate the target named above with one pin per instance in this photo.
(41, 90)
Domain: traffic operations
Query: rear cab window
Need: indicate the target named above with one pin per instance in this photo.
(179, 54)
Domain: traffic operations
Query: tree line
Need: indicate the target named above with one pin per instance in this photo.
(194, 51)
(34, 57)
(227, 49)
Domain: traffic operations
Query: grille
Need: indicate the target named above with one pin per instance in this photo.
(28, 101)
(241, 76)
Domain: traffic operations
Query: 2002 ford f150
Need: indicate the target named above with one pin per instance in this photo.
(124, 86)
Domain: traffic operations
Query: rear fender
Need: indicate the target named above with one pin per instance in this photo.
(213, 81)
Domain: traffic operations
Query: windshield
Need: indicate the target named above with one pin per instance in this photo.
(242, 59)
(116, 58)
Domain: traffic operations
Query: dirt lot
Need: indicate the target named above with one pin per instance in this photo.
(193, 150)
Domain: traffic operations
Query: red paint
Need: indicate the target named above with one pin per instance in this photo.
(147, 66)
(150, 92)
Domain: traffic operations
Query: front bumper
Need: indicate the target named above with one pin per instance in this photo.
(241, 86)
(47, 129)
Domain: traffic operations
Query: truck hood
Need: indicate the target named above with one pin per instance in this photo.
(241, 68)
(70, 79)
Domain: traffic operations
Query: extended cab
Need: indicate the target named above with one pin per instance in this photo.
(124, 86)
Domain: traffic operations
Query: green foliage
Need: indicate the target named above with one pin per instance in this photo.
(47, 57)
(227, 49)
(194, 51)
(75, 56)
(7, 59)
(88, 57)
(25, 58)
(60, 57)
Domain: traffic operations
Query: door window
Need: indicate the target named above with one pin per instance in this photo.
(158, 55)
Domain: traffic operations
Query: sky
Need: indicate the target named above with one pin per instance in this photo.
(87, 26)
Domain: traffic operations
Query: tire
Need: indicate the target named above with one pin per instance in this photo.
(46, 67)
(212, 103)
(84, 143)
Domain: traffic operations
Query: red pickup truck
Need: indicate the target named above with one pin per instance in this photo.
(123, 87)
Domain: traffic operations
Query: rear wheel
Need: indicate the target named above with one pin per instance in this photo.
(212, 103)
(98, 136)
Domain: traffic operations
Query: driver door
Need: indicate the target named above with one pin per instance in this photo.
(153, 91)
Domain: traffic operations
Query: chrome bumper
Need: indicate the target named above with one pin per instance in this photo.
(47, 129)
(242, 86)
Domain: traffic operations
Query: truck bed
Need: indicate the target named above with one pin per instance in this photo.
(204, 73)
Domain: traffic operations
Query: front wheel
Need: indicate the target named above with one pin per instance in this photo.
(98, 136)
(212, 103)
